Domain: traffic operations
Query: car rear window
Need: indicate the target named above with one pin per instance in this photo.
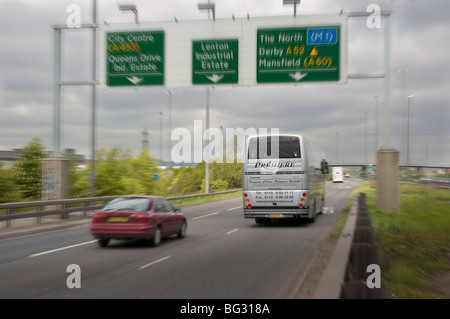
(129, 203)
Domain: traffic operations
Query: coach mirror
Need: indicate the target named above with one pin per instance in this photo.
(324, 166)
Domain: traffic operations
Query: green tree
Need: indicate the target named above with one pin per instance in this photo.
(139, 179)
(225, 176)
(188, 180)
(110, 169)
(8, 187)
(79, 184)
(28, 170)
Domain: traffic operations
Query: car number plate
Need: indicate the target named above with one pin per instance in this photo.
(118, 219)
(276, 215)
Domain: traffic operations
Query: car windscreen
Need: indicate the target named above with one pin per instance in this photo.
(129, 203)
(274, 147)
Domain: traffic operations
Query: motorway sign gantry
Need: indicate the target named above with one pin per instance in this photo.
(135, 58)
(238, 52)
(298, 54)
(215, 61)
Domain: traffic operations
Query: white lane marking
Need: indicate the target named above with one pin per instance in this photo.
(62, 248)
(154, 262)
(232, 231)
(205, 215)
(234, 208)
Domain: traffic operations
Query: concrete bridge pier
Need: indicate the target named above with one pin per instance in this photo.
(387, 183)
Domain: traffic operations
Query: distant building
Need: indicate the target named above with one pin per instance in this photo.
(8, 158)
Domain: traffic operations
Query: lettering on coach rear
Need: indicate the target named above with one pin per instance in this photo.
(274, 164)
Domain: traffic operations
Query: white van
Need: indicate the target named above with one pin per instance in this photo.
(338, 175)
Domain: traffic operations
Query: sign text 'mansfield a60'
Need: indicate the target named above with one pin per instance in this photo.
(298, 54)
(135, 58)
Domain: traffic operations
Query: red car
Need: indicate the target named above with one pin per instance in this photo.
(138, 217)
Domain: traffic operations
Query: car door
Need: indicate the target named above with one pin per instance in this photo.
(175, 218)
(164, 216)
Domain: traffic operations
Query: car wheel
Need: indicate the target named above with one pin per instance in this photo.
(182, 232)
(103, 242)
(156, 239)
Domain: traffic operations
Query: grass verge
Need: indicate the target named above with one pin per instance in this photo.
(413, 243)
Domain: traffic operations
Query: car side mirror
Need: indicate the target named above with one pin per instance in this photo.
(177, 210)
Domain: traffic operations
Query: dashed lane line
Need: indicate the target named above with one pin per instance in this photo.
(154, 262)
(202, 216)
(232, 231)
(62, 248)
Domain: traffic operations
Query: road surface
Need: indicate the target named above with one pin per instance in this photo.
(223, 256)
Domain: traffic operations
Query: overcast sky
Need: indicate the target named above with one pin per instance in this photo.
(332, 115)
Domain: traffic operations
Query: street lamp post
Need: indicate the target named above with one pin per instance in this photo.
(160, 135)
(404, 70)
(130, 7)
(170, 124)
(294, 2)
(408, 131)
(426, 132)
(365, 144)
(210, 7)
(337, 147)
(376, 123)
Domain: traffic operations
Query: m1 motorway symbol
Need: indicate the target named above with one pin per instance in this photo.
(299, 54)
(215, 61)
(322, 36)
(135, 58)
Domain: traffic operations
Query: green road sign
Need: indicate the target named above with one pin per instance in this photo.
(215, 61)
(300, 54)
(135, 58)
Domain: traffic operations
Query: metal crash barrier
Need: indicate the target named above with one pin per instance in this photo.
(353, 271)
(63, 207)
(362, 278)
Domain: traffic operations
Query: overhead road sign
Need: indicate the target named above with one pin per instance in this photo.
(135, 58)
(215, 61)
(299, 54)
(236, 43)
